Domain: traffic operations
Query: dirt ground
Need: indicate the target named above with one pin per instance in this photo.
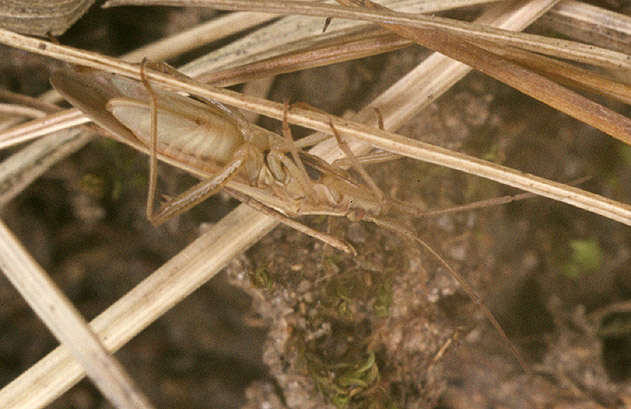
(292, 323)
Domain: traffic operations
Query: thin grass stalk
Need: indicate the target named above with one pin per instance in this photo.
(20, 110)
(348, 45)
(174, 281)
(595, 25)
(213, 30)
(554, 47)
(299, 32)
(321, 122)
(515, 75)
(565, 73)
(448, 38)
(180, 43)
(44, 126)
(67, 324)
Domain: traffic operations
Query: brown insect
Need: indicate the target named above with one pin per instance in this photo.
(266, 171)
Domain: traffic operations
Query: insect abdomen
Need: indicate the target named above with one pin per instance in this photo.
(185, 127)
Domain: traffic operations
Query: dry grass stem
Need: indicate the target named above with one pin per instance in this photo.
(216, 29)
(383, 140)
(155, 295)
(345, 46)
(555, 47)
(299, 33)
(42, 18)
(591, 24)
(564, 73)
(515, 75)
(23, 167)
(67, 324)
(20, 110)
(44, 126)
(28, 101)
(380, 139)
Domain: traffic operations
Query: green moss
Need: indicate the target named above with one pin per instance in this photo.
(261, 279)
(492, 154)
(625, 153)
(343, 297)
(93, 184)
(383, 299)
(343, 383)
(586, 257)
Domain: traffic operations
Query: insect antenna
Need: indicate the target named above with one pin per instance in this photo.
(468, 289)
(404, 232)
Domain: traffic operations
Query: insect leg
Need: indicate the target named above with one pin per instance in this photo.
(302, 175)
(153, 157)
(357, 165)
(326, 238)
(371, 158)
(195, 194)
